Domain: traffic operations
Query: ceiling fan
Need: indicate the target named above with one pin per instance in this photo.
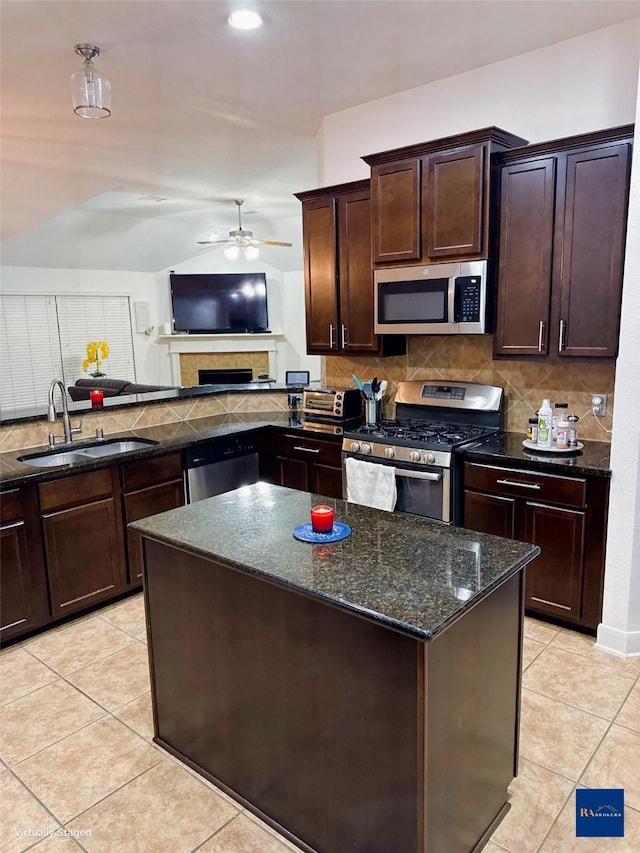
(241, 240)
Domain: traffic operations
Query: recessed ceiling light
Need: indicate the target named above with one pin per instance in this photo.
(244, 19)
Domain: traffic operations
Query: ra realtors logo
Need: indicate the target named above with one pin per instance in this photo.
(600, 812)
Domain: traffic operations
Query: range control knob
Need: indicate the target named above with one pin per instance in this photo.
(355, 446)
(366, 448)
(429, 458)
(414, 456)
(389, 452)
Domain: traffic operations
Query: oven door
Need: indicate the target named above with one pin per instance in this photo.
(425, 492)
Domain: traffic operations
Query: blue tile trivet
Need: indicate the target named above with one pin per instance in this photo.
(306, 533)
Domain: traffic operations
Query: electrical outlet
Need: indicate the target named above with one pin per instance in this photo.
(599, 405)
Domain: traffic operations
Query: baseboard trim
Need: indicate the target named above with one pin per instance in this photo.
(622, 644)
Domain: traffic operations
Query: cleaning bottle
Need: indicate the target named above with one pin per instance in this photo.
(545, 424)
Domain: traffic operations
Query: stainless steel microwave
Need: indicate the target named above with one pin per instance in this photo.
(439, 299)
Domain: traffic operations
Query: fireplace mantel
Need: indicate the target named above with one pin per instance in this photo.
(248, 342)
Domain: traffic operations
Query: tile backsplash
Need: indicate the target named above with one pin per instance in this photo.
(470, 358)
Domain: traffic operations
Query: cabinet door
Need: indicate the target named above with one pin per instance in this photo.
(356, 273)
(592, 243)
(293, 473)
(554, 579)
(524, 267)
(16, 614)
(85, 556)
(321, 303)
(452, 203)
(142, 504)
(490, 514)
(326, 480)
(395, 196)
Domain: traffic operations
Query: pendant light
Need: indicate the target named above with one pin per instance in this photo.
(90, 90)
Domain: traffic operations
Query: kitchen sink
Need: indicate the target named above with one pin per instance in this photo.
(84, 454)
(108, 448)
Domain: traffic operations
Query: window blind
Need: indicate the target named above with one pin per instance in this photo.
(96, 318)
(30, 355)
(46, 337)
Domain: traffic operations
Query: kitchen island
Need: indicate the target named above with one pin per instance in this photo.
(358, 695)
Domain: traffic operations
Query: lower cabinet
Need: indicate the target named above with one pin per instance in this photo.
(23, 590)
(83, 540)
(300, 462)
(149, 487)
(565, 516)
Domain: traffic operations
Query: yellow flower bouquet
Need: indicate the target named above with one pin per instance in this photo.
(97, 352)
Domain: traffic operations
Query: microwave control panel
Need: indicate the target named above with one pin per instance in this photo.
(466, 307)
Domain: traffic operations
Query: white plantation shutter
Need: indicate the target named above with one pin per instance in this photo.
(45, 337)
(30, 354)
(96, 318)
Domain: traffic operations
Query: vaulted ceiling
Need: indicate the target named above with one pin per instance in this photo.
(203, 114)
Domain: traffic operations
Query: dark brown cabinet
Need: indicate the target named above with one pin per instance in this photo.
(149, 487)
(84, 545)
(336, 226)
(300, 462)
(565, 516)
(23, 597)
(433, 201)
(561, 246)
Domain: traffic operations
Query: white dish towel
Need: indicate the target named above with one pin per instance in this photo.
(370, 484)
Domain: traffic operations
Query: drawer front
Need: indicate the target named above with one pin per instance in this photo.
(517, 483)
(75, 490)
(10, 507)
(148, 472)
(301, 447)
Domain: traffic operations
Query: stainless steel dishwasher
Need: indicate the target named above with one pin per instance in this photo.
(223, 465)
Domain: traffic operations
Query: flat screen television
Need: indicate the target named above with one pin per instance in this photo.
(214, 303)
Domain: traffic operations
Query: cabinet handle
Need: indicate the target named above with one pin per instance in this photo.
(343, 330)
(563, 326)
(541, 336)
(535, 486)
(307, 449)
(330, 335)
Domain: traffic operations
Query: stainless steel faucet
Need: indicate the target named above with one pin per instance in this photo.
(69, 431)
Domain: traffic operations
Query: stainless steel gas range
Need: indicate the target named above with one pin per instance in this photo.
(434, 420)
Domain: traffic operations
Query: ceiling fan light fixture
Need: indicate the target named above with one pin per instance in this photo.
(244, 19)
(232, 252)
(90, 90)
(251, 252)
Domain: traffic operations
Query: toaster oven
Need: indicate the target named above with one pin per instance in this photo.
(332, 404)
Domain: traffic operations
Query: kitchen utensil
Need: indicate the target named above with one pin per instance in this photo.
(358, 383)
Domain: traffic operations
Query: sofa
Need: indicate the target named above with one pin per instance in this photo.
(112, 387)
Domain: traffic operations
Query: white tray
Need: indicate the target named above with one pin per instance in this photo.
(533, 445)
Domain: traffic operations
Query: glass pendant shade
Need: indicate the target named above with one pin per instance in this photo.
(232, 252)
(251, 252)
(90, 90)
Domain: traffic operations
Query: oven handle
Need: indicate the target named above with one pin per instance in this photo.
(418, 475)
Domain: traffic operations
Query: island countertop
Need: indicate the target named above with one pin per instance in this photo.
(409, 574)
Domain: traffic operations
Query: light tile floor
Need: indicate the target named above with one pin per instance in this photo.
(76, 750)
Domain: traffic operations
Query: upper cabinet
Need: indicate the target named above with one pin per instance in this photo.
(336, 227)
(433, 201)
(563, 212)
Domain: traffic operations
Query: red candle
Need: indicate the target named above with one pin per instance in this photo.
(96, 396)
(322, 518)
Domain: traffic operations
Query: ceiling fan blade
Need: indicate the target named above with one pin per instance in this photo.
(273, 243)
(212, 242)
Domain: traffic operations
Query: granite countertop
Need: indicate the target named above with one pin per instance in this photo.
(507, 449)
(171, 437)
(409, 574)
